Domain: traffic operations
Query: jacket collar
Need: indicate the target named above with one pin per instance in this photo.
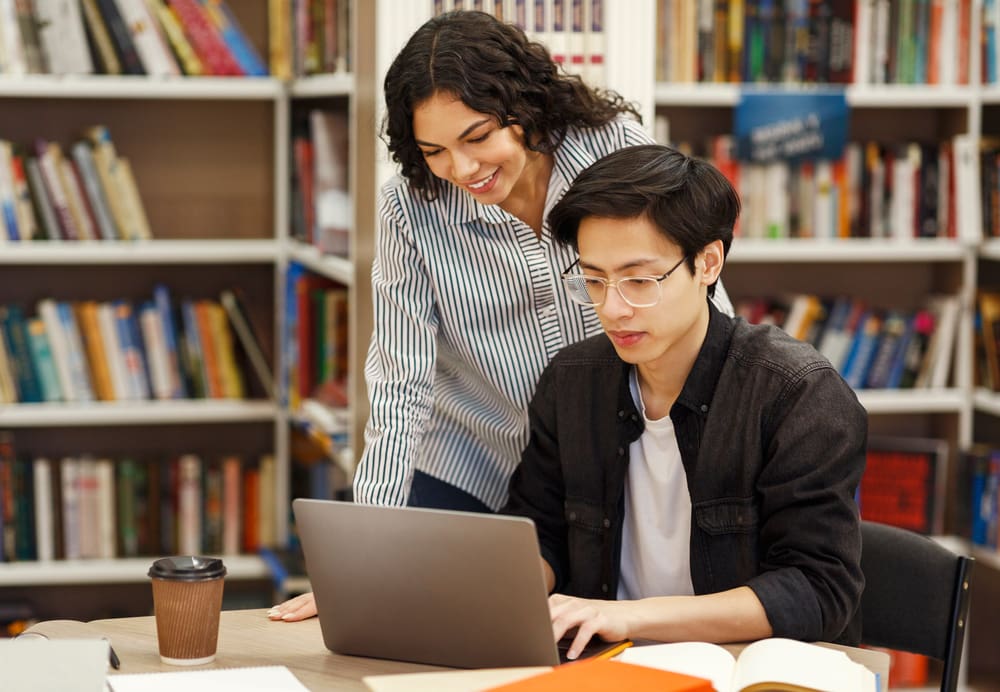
(699, 388)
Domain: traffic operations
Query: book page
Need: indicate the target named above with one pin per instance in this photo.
(798, 665)
(270, 678)
(700, 659)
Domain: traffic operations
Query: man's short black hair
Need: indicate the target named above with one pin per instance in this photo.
(687, 199)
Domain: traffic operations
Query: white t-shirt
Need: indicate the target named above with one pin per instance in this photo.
(656, 535)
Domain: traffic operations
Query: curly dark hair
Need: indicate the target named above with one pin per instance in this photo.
(494, 69)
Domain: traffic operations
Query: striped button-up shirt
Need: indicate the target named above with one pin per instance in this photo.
(469, 309)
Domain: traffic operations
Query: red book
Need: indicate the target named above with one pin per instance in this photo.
(205, 39)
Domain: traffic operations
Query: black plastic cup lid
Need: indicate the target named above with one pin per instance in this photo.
(187, 568)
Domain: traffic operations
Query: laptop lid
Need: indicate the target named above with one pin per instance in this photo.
(429, 586)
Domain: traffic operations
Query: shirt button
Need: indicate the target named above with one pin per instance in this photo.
(604, 588)
(621, 414)
(704, 408)
(621, 451)
(572, 516)
(547, 310)
(607, 523)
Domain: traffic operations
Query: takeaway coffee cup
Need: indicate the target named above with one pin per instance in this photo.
(187, 600)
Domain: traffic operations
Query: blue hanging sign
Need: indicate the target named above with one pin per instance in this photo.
(791, 126)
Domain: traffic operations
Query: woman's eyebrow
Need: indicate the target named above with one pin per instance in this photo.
(465, 133)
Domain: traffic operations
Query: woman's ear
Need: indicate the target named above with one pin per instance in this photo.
(713, 257)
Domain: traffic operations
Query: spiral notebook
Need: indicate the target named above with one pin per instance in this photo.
(253, 679)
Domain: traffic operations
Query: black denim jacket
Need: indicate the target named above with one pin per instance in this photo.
(773, 444)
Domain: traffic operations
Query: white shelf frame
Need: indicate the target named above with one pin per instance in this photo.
(339, 269)
(143, 88)
(89, 252)
(847, 250)
(701, 95)
(119, 413)
(128, 570)
(890, 401)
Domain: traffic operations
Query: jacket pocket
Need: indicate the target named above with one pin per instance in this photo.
(585, 516)
(728, 515)
(586, 534)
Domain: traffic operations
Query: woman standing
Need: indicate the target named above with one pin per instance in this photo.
(488, 133)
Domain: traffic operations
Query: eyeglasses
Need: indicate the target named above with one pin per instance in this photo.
(637, 291)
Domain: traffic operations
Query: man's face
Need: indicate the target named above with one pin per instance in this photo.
(617, 248)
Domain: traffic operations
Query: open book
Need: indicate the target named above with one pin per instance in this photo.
(768, 664)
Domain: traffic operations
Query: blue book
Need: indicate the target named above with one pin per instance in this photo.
(193, 351)
(862, 350)
(45, 364)
(290, 337)
(79, 368)
(131, 345)
(165, 309)
(235, 38)
(15, 334)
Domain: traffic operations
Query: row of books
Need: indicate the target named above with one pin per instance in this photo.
(309, 37)
(572, 30)
(91, 507)
(872, 348)
(88, 194)
(904, 483)
(316, 327)
(321, 202)
(137, 37)
(843, 41)
(875, 190)
(111, 351)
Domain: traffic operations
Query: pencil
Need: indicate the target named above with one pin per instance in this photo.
(615, 650)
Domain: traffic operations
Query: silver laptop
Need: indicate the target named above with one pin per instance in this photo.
(430, 586)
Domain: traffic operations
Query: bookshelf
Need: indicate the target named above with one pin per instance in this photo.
(211, 157)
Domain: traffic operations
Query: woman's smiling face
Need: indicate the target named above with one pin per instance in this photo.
(469, 149)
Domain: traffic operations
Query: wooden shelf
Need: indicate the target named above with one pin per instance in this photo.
(115, 413)
(140, 252)
(116, 571)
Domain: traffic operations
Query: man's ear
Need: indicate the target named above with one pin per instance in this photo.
(713, 257)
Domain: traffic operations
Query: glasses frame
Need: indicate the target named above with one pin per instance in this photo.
(566, 275)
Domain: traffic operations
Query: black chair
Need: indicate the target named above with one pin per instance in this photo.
(916, 596)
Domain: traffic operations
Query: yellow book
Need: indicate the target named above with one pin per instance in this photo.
(86, 316)
(229, 372)
(189, 60)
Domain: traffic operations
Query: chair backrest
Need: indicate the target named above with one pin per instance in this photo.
(916, 596)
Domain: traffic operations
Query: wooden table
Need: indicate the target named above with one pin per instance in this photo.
(246, 638)
(249, 638)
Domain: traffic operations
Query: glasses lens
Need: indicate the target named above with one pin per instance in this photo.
(585, 290)
(640, 292)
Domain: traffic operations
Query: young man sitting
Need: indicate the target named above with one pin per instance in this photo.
(696, 468)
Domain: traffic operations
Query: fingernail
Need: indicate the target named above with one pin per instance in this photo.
(286, 616)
